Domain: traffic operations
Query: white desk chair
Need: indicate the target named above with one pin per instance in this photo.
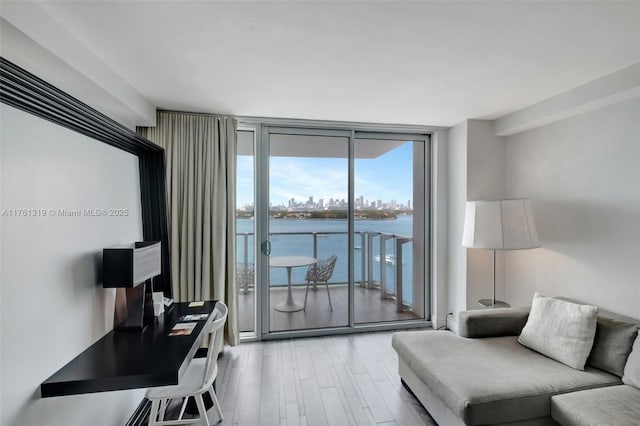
(197, 380)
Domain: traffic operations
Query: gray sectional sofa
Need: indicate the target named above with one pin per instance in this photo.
(484, 376)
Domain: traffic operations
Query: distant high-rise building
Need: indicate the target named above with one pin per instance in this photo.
(360, 202)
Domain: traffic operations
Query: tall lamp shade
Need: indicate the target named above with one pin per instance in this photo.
(499, 225)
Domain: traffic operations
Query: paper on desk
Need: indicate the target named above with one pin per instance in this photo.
(196, 304)
(182, 329)
(194, 317)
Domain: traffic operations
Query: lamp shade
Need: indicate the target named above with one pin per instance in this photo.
(499, 225)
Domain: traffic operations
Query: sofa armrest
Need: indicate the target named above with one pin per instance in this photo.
(492, 322)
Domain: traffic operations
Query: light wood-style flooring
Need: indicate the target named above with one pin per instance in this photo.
(368, 308)
(337, 380)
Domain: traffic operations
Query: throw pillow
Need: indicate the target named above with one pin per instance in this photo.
(612, 345)
(561, 330)
(632, 369)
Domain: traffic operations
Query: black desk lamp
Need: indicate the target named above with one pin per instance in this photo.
(129, 266)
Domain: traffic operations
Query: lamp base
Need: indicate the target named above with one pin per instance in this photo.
(132, 317)
(488, 303)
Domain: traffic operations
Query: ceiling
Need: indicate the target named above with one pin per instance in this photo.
(429, 63)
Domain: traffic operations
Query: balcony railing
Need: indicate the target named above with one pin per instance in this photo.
(375, 267)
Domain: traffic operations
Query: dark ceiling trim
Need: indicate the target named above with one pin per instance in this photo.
(25, 91)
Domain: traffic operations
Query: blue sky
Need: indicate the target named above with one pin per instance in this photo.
(388, 177)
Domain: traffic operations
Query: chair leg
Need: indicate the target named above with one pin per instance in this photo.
(306, 293)
(153, 413)
(326, 283)
(214, 398)
(163, 408)
(183, 407)
(202, 409)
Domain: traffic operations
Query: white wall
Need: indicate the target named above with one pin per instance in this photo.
(485, 181)
(439, 225)
(582, 175)
(52, 304)
(32, 39)
(475, 172)
(457, 255)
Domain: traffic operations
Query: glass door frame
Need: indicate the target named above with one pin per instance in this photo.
(262, 264)
(424, 202)
(257, 289)
(263, 128)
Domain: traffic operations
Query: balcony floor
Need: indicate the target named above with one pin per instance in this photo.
(368, 308)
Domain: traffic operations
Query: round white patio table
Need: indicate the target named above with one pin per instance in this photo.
(290, 262)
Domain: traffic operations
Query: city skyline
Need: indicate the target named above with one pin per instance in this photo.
(387, 177)
(313, 203)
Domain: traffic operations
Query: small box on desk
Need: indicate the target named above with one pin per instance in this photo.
(158, 303)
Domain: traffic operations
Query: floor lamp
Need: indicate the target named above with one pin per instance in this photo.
(499, 225)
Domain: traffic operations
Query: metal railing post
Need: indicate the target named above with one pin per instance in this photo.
(245, 284)
(383, 264)
(399, 274)
(315, 244)
(363, 258)
(315, 254)
(399, 270)
(370, 236)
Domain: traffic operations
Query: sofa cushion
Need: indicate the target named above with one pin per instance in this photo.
(632, 368)
(560, 330)
(491, 380)
(612, 344)
(611, 406)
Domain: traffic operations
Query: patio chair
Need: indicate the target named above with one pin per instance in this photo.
(318, 272)
(246, 275)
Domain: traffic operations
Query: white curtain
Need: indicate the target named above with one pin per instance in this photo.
(200, 154)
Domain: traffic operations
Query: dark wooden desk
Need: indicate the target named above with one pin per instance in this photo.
(129, 359)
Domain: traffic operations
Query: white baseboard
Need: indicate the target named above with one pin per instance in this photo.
(452, 324)
(438, 322)
(449, 321)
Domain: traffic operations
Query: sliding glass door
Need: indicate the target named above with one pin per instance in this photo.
(337, 235)
(308, 229)
(389, 254)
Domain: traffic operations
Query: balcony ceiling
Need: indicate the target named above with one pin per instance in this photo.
(431, 63)
(318, 146)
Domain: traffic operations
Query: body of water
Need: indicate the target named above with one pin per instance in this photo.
(329, 243)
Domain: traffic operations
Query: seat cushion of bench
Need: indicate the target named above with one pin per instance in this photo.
(491, 380)
(612, 406)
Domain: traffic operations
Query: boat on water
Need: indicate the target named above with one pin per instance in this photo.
(388, 258)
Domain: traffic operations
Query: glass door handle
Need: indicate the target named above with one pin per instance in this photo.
(265, 247)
